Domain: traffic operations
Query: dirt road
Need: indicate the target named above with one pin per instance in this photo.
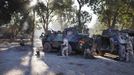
(22, 61)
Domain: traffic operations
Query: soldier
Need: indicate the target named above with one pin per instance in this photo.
(129, 49)
(132, 40)
(97, 43)
(65, 49)
(36, 49)
(22, 43)
(42, 37)
(121, 46)
(87, 49)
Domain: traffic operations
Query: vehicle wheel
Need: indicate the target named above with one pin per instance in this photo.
(47, 47)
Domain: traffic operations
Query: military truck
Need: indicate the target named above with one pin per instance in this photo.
(74, 38)
(113, 41)
(54, 40)
(103, 42)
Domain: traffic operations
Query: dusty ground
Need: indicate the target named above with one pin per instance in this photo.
(15, 60)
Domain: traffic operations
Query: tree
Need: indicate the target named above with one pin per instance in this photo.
(114, 12)
(45, 11)
(81, 4)
(85, 18)
(8, 7)
(14, 26)
(66, 7)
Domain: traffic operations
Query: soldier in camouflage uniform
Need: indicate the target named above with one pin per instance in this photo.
(122, 46)
(87, 46)
(129, 49)
(125, 47)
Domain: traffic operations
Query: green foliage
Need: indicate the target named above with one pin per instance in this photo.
(98, 29)
(64, 11)
(80, 14)
(114, 12)
(85, 17)
(8, 7)
(44, 11)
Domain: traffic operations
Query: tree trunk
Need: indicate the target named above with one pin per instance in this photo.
(44, 25)
(109, 22)
(79, 19)
(61, 23)
(114, 21)
(114, 18)
(132, 26)
(47, 19)
(122, 26)
(32, 39)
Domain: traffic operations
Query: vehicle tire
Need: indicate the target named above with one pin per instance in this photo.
(47, 47)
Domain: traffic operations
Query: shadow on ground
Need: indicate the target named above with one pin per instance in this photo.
(12, 60)
(77, 65)
(21, 61)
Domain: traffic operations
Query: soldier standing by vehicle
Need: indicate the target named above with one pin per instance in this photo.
(129, 49)
(122, 43)
(87, 49)
(65, 49)
(42, 37)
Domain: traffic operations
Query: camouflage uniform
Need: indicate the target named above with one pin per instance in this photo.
(125, 47)
(129, 49)
(122, 52)
(87, 50)
(122, 47)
